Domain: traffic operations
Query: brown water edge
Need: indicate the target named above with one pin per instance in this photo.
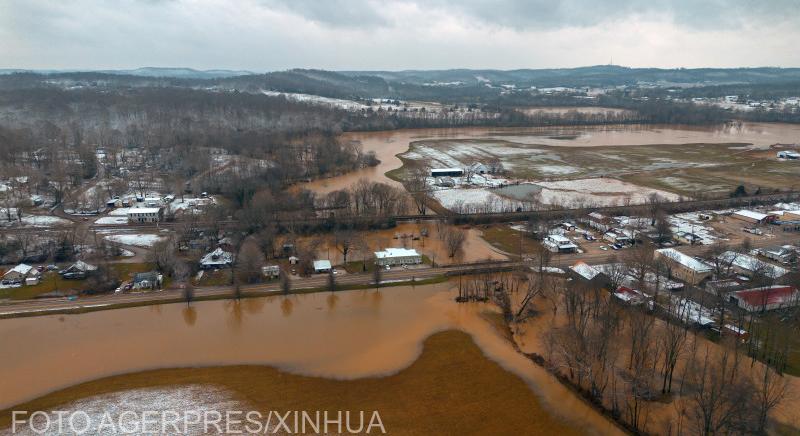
(451, 389)
(344, 336)
(388, 144)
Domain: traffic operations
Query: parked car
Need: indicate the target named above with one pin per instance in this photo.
(588, 237)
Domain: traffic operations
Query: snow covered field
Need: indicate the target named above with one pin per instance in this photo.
(43, 221)
(144, 240)
(110, 220)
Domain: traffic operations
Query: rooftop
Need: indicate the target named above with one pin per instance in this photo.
(685, 260)
(396, 252)
(751, 214)
(144, 210)
(768, 296)
(584, 270)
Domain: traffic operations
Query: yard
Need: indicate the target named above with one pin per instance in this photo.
(52, 282)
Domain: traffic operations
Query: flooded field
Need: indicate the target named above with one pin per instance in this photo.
(409, 235)
(349, 349)
(548, 162)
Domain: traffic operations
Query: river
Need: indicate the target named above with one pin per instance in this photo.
(351, 337)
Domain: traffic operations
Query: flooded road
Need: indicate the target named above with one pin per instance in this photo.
(343, 337)
(388, 144)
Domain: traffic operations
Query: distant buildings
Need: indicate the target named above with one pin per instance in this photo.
(21, 274)
(751, 266)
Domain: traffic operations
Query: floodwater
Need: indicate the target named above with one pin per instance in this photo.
(409, 235)
(347, 336)
(388, 144)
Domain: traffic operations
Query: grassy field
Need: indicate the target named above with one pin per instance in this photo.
(453, 388)
(508, 240)
(52, 282)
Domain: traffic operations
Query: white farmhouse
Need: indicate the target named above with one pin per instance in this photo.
(559, 244)
(397, 256)
(145, 214)
(218, 258)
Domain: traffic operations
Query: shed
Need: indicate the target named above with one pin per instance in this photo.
(322, 266)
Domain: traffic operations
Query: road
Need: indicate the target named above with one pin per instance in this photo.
(61, 305)
(45, 306)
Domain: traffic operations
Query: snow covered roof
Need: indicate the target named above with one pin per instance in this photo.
(685, 260)
(752, 264)
(22, 268)
(558, 238)
(448, 170)
(584, 270)
(138, 210)
(217, 257)
(751, 214)
(396, 252)
(322, 264)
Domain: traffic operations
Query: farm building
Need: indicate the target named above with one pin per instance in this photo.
(447, 172)
(218, 258)
(751, 266)
(766, 298)
(559, 244)
(145, 214)
(750, 216)
(685, 267)
(20, 274)
(322, 266)
(397, 256)
(586, 275)
(791, 215)
(786, 154)
(479, 168)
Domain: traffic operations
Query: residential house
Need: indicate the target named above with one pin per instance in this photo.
(20, 274)
(397, 256)
(684, 267)
(147, 280)
(218, 258)
(78, 270)
(145, 214)
(766, 298)
(618, 236)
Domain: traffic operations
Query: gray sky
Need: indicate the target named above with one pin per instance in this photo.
(262, 35)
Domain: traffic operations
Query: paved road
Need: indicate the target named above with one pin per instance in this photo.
(43, 306)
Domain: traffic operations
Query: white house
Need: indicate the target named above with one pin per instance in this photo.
(322, 266)
(145, 214)
(559, 244)
(397, 256)
(218, 258)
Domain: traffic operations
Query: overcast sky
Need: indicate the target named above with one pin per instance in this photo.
(265, 35)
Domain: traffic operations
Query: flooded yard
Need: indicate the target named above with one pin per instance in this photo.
(348, 349)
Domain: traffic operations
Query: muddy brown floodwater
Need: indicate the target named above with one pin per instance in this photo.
(388, 144)
(367, 341)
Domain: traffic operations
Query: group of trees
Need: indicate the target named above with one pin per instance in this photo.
(646, 364)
